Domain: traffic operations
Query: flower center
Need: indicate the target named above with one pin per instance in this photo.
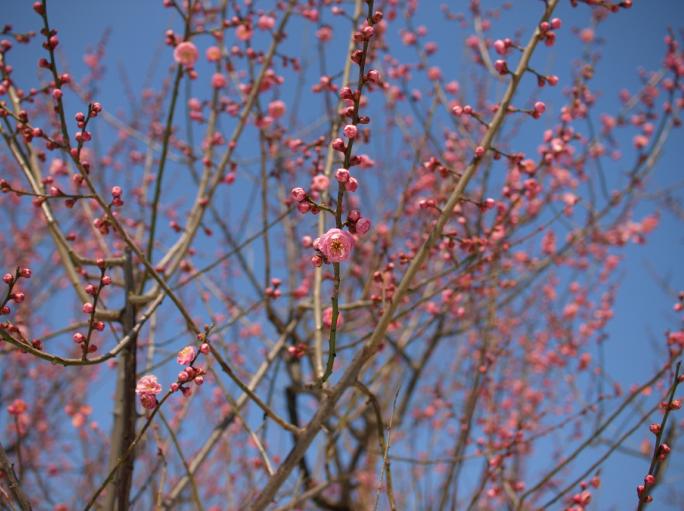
(337, 247)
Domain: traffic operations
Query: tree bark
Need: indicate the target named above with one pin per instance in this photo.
(123, 430)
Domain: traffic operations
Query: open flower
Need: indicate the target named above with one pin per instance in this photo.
(186, 355)
(148, 384)
(186, 53)
(336, 245)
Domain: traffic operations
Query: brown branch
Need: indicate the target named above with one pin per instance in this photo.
(14, 487)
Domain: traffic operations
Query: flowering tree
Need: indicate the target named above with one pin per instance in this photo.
(361, 280)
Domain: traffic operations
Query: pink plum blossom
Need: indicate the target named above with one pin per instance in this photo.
(148, 384)
(336, 245)
(186, 54)
(186, 355)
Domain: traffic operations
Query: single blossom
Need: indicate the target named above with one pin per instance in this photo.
(276, 108)
(336, 245)
(148, 384)
(213, 54)
(186, 355)
(186, 53)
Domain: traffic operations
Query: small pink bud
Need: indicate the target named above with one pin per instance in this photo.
(204, 348)
(351, 185)
(350, 131)
(374, 76)
(342, 175)
(540, 107)
(501, 67)
(87, 308)
(8, 278)
(298, 194)
(363, 225)
(218, 81)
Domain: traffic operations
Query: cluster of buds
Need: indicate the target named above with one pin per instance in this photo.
(187, 357)
(116, 196)
(304, 202)
(90, 309)
(459, 110)
(501, 46)
(546, 31)
(325, 83)
(272, 291)
(102, 224)
(356, 223)
(12, 294)
(384, 284)
(17, 407)
(345, 179)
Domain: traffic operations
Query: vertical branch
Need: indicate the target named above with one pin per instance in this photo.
(15, 489)
(384, 447)
(123, 432)
(318, 272)
(332, 340)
